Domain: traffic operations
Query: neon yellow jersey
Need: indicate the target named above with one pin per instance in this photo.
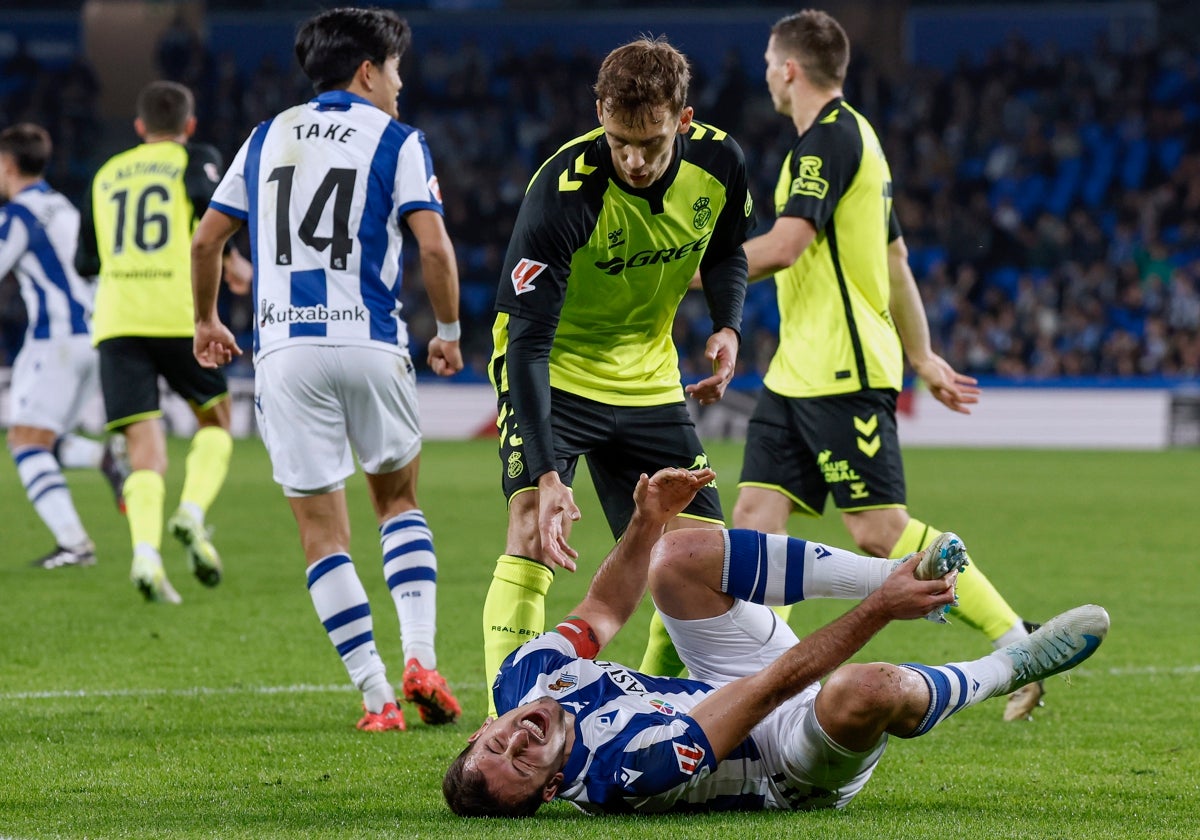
(144, 205)
(607, 265)
(836, 333)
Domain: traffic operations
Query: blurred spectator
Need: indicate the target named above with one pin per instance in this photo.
(1051, 201)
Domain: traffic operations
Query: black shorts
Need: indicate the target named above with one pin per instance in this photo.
(129, 371)
(807, 448)
(621, 443)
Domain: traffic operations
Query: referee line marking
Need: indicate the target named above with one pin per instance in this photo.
(305, 688)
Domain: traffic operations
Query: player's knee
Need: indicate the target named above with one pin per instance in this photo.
(677, 556)
(858, 694)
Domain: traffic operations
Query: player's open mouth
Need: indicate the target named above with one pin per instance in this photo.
(535, 724)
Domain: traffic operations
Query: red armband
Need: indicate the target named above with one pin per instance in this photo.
(581, 636)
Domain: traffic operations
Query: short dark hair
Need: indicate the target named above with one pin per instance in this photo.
(467, 793)
(333, 45)
(29, 146)
(165, 107)
(642, 76)
(818, 43)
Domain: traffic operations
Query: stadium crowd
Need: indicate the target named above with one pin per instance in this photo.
(1051, 202)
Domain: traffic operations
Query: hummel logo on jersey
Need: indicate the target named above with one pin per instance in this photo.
(688, 757)
(616, 237)
(524, 273)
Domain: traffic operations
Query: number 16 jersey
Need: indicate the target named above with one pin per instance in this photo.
(323, 187)
(137, 235)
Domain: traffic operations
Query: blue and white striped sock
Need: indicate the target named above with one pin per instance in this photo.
(775, 569)
(958, 685)
(341, 604)
(410, 569)
(50, 496)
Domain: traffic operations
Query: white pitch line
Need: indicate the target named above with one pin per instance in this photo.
(302, 688)
(187, 692)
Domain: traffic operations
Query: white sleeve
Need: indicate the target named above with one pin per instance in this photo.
(231, 197)
(14, 240)
(416, 184)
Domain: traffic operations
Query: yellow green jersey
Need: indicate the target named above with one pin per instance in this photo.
(137, 232)
(596, 270)
(836, 332)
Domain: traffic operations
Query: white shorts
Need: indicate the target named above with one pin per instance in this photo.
(52, 380)
(809, 770)
(314, 402)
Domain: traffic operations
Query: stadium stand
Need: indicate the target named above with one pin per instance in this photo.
(1050, 199)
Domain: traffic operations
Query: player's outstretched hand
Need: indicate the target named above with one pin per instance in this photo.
(214, 345)
(663, 496)
(952, 389)
(556, 507)
(721, 350)
(445, 357)
(902, 596)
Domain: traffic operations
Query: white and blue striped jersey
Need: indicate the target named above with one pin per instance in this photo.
(323, 187)
(39, 232)
(636, 748)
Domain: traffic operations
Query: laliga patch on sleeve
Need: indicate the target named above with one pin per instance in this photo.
(524, 273)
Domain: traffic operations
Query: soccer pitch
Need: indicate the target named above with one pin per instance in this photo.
(231, 715)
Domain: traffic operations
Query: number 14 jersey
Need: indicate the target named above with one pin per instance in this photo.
(323, 187)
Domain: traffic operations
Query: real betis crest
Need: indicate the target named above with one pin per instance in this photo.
(703, 212)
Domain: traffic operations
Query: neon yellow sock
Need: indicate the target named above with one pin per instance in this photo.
(661, 658)
(144, 492)
(514, 611)
(207, 465)
(980, 605)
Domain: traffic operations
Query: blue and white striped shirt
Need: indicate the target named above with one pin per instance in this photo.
(39, 232)
(323, 187)
(636, 747)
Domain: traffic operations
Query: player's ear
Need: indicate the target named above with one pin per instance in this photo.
(189, 128)
(486, 723)
(599, 111)
(140, 127)
(685, 119)
(551, 787)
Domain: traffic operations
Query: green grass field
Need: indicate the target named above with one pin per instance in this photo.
(231, 715)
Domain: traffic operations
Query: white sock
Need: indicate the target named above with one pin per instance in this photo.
(50, 496)
(78, 452)
(410, 569)
(194, 511)
(341, 604)
(1014, 634)
(775, 569)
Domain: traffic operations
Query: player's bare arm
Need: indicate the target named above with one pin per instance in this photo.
(214, 344)
(779, 247)
(728, 714)
(952, 389)
(620, 582)
(440, 271)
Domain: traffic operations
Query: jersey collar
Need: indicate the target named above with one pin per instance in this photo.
(37, 186)
(338, 100)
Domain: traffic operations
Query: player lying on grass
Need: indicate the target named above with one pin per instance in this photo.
(752, 729)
